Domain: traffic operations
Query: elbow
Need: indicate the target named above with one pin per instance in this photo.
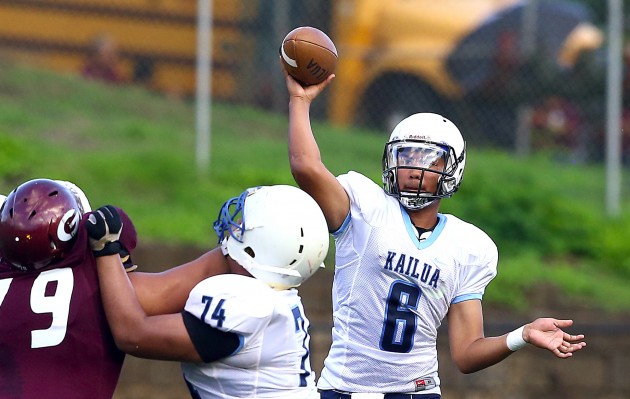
(303, 170)
(465, 369)
(127, 342)
(129, 336)
(127, 347)
(299, 165)
(298, 175)
(471, 365)
(465, 366)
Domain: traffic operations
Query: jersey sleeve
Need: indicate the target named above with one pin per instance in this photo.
(366, 199)
(211, 343)
(231, 303)
(478, 268)
(361, 190)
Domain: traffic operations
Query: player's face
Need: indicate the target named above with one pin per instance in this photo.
(414, 168)
(416, 180)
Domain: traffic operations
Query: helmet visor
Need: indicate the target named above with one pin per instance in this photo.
(416, 155)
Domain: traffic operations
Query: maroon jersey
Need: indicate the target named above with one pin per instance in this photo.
(54, 338)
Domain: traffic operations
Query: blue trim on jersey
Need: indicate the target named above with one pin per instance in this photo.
(466, 297)
(343, 226)
(413, 232)
(241, 344)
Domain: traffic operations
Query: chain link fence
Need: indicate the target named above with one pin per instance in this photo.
(520, 76)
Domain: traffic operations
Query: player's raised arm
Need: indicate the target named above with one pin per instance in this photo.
(307, 167)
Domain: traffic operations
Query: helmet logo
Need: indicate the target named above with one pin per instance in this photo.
(417, 136)
(68, 226)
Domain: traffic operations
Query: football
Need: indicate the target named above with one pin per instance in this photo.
(308, 55)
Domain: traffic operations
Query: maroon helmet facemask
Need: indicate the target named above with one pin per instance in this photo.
(38, 224)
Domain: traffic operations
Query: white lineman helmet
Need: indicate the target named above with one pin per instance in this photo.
(82, 200)
(277, 233)
(417, 142)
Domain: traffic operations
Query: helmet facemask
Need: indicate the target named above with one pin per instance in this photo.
(231, 221)
(424, 157)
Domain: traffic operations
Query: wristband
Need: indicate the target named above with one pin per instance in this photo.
(515, 339)
(110, 248)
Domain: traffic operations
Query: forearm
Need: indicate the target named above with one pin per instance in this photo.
(167, 291)
(481, 353)
(304, 152)
(471, 350)
(157, 337)
(123, 310)
(308, 170)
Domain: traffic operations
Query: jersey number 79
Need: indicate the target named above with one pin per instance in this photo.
(58, 304)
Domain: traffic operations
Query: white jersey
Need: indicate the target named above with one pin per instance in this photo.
(391, 292)
(273, 360)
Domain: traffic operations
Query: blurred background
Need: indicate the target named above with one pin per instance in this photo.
(519, 75)
(169, 107)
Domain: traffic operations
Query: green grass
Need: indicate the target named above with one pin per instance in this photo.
(135, 149)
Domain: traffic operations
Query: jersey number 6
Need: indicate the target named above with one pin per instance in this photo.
(401, 320)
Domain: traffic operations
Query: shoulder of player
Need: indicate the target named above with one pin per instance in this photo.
(364, 193)
(458, 227)
(354, 182)
(454, 222)
(232, 283)
(236, 289)
(357, 179)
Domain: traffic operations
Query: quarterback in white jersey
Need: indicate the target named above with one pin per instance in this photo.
(412, 283)
(244, 334)
(402, 266)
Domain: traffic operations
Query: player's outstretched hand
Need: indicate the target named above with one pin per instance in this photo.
(548, 333)
(104, 226)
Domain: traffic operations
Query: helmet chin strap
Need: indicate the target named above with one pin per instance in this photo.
(271, 269)
(416, 207)
(418, 199)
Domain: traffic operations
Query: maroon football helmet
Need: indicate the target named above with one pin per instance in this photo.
(39, 221)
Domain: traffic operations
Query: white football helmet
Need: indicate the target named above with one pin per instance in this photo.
(82, 200)
(417, 142)
(277, 233)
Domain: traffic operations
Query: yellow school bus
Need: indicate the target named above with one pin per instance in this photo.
(397, 57)
(58, 34)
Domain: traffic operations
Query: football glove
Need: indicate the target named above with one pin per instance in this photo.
(104, 226)
(125, 258)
